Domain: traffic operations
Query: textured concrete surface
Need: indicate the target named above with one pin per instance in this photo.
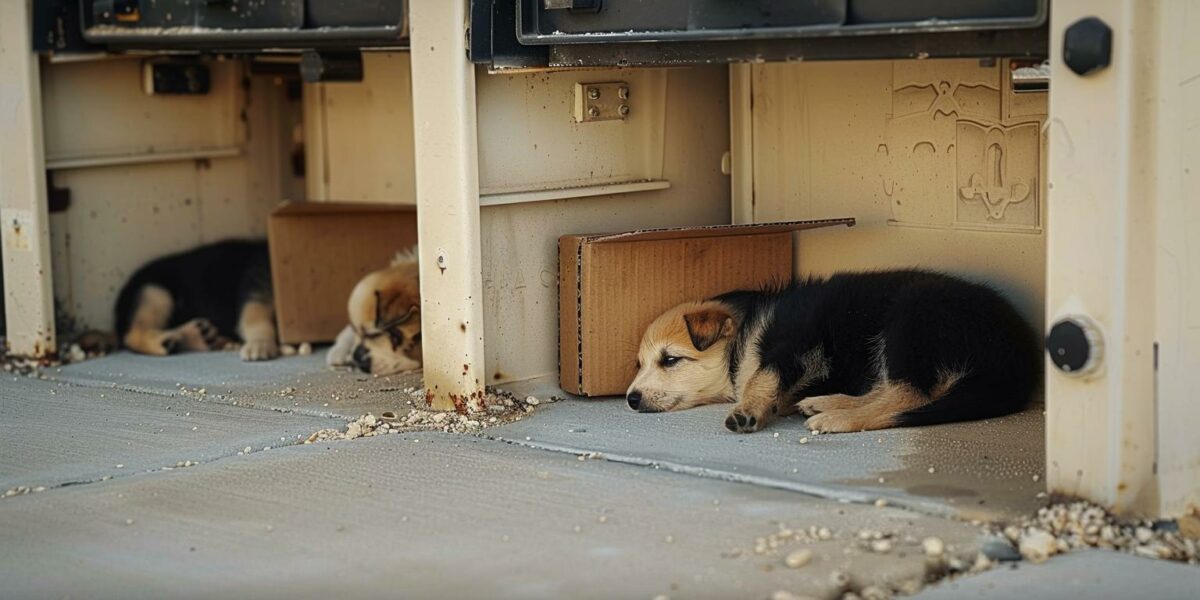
(674, 507)
(301, 384)
(1094, 574)
(53, 433)
(983, 469)
(445, 517)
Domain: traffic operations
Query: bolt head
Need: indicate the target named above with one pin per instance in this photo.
(623, 92)
(623, 110)
(1087, 46)
(594, 112)
(594, 94)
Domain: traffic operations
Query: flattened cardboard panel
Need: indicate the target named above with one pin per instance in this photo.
(626, 285)
(319, 252)
(679, 233)
(569, 354)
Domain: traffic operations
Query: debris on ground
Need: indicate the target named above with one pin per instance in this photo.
(1064, 527)
(497, 407)
(34, 367)
(21, 490)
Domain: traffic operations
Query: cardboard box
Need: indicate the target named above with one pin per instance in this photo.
(319, 252)
(612, 286)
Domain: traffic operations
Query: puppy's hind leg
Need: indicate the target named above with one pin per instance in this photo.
(151, 313)
(256, 326)
(758, 402)
(883, 407)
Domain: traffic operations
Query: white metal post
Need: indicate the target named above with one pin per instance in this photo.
(447, 177)
(1122, 143)
(24, 219)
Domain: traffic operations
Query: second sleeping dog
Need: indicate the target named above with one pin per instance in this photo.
(856, 351)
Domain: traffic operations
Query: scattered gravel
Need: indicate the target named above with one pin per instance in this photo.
(21, 490)
(1078, 525)
(497, 407)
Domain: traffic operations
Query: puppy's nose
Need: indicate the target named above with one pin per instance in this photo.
(634, 399)
(362, 358)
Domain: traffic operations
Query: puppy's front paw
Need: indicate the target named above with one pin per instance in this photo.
(837, 421)
(254, 350)
(740, 421)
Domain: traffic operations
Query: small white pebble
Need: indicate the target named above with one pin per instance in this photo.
(247, 450)
(776, 434)
(880, 503)
(129, 521)
(931, 469)
(934, 547)
(1037, 477)
(304, 349)
(804, 440)
(798, 558)
(120, 466)
(577, 529)
(670, 539)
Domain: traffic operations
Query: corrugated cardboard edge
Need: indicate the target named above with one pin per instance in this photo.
(304, 209)
(681, 233)
(570, 278)
(570, 322)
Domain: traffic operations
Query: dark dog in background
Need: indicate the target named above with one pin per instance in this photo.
(856, 351)
(199, 300)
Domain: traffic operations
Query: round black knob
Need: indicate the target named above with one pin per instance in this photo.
(1075, 345)
(1087, 46)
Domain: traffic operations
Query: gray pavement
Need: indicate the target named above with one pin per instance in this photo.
(660, 505)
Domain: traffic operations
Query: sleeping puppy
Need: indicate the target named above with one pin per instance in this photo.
(384, 334)
(854, 352)
(202, 299)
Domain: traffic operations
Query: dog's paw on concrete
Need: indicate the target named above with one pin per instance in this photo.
(742, 422)
(256, 350)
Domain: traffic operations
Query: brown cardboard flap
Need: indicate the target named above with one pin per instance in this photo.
(682, 233)
(303, 209)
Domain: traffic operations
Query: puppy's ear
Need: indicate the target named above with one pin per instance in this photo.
(708, 325)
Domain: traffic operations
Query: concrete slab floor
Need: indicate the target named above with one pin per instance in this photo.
(53, 433)
(434, 515)
(1093, 574)
(987, 469)
(437, 515)
(300, 384)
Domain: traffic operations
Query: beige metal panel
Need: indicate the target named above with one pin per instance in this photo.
(529, 139)
(123, 215)
(447, 159)
(520, 259)
(925, 154)
(360, 135)
(1177, 259)
(24, 222)
(1100, 430)
(100, 110)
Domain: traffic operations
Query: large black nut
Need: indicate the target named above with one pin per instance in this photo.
(1075, 345)
(1087, 46)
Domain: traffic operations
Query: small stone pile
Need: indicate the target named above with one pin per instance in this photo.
(1071, 526)
(496, 407)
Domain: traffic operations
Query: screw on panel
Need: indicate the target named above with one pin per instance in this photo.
(594, 93)
(594, 112)
(623, 93)
(623, 110)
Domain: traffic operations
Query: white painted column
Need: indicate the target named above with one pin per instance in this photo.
(447, 164)
(1123, 144)
(24, 220)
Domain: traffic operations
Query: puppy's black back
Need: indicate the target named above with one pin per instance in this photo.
(922, 326)
(211, 281)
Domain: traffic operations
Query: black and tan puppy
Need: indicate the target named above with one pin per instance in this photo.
(199, 300)
(856, 351)
(384, 334)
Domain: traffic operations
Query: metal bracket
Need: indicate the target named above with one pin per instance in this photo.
(607, 101)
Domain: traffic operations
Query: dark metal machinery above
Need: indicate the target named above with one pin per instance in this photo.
(575, 33)
(218, 25)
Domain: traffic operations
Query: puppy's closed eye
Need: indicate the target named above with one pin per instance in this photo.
(667, 361)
